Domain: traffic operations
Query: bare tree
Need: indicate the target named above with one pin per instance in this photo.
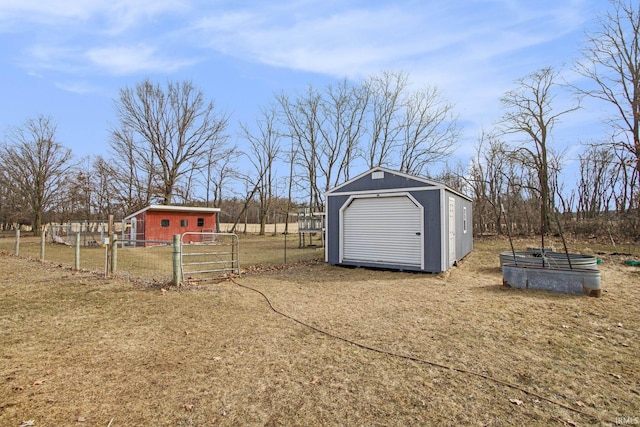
(133, 170)
(530, 111)
(378, 121)
(264, 147)
(489, 178)
(301, 117)
(11, 206)
(325, 127)
(452, 176)
(79, 192)
(407, 129)
(611, 60)
(171, 129)
(105, 185)
(601, 192)
(625, 180)
(341, 123)
(593, 185)
(385, 92)
(36, 166)
(221, 167)
(429, 130)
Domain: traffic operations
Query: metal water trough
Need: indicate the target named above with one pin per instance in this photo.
(578, 281)
(553, 260)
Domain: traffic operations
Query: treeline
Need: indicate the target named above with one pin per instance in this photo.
(171, 145)
(603, 203)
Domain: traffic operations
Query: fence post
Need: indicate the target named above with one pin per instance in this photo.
(76, 264)
(114, 254)
(43, 234)
(17, 250)
(177, 267)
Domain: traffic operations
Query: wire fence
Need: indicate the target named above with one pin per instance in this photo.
(145, 260)
(153, 261)
(92, 233)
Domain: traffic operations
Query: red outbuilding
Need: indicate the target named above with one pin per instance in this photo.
(161, 222)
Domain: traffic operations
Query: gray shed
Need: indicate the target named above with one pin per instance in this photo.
(389, 219)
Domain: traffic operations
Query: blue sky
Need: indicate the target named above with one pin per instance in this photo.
(68, 59)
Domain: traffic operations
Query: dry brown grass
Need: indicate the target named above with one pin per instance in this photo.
(75, 347)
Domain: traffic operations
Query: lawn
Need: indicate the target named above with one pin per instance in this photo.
(331, 346)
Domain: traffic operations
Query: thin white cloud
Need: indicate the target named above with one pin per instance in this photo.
(443, 42)
(115, 15)
(362, 40)
(332, 37)
(46, 11)
(473, 49)
(70, 36)
(51, 57)
(340, 43)
(122, 60)
(79, 87)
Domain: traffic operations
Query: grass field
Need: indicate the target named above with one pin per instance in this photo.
(354, 346)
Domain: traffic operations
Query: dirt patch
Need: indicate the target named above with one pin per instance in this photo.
(400, 348)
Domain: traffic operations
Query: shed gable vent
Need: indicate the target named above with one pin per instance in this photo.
(377, 175)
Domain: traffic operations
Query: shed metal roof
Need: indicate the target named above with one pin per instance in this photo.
(426, 182)
(173, 208)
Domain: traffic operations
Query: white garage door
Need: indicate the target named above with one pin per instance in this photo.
(383, 230)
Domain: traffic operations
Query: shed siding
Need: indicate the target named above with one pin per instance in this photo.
(430, 200)
(332, 242)
(432, 235)
(464, 241)
(435, 222)
(389, 182)
(154, 230)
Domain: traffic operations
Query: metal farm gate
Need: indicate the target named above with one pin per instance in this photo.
(208, 255)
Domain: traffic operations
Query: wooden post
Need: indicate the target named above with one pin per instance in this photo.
(177, 267)
(114, 254)
(43, 234)
(17, 250)
(76, 265)
(285, 246)
(235, 254)
(108, 246)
